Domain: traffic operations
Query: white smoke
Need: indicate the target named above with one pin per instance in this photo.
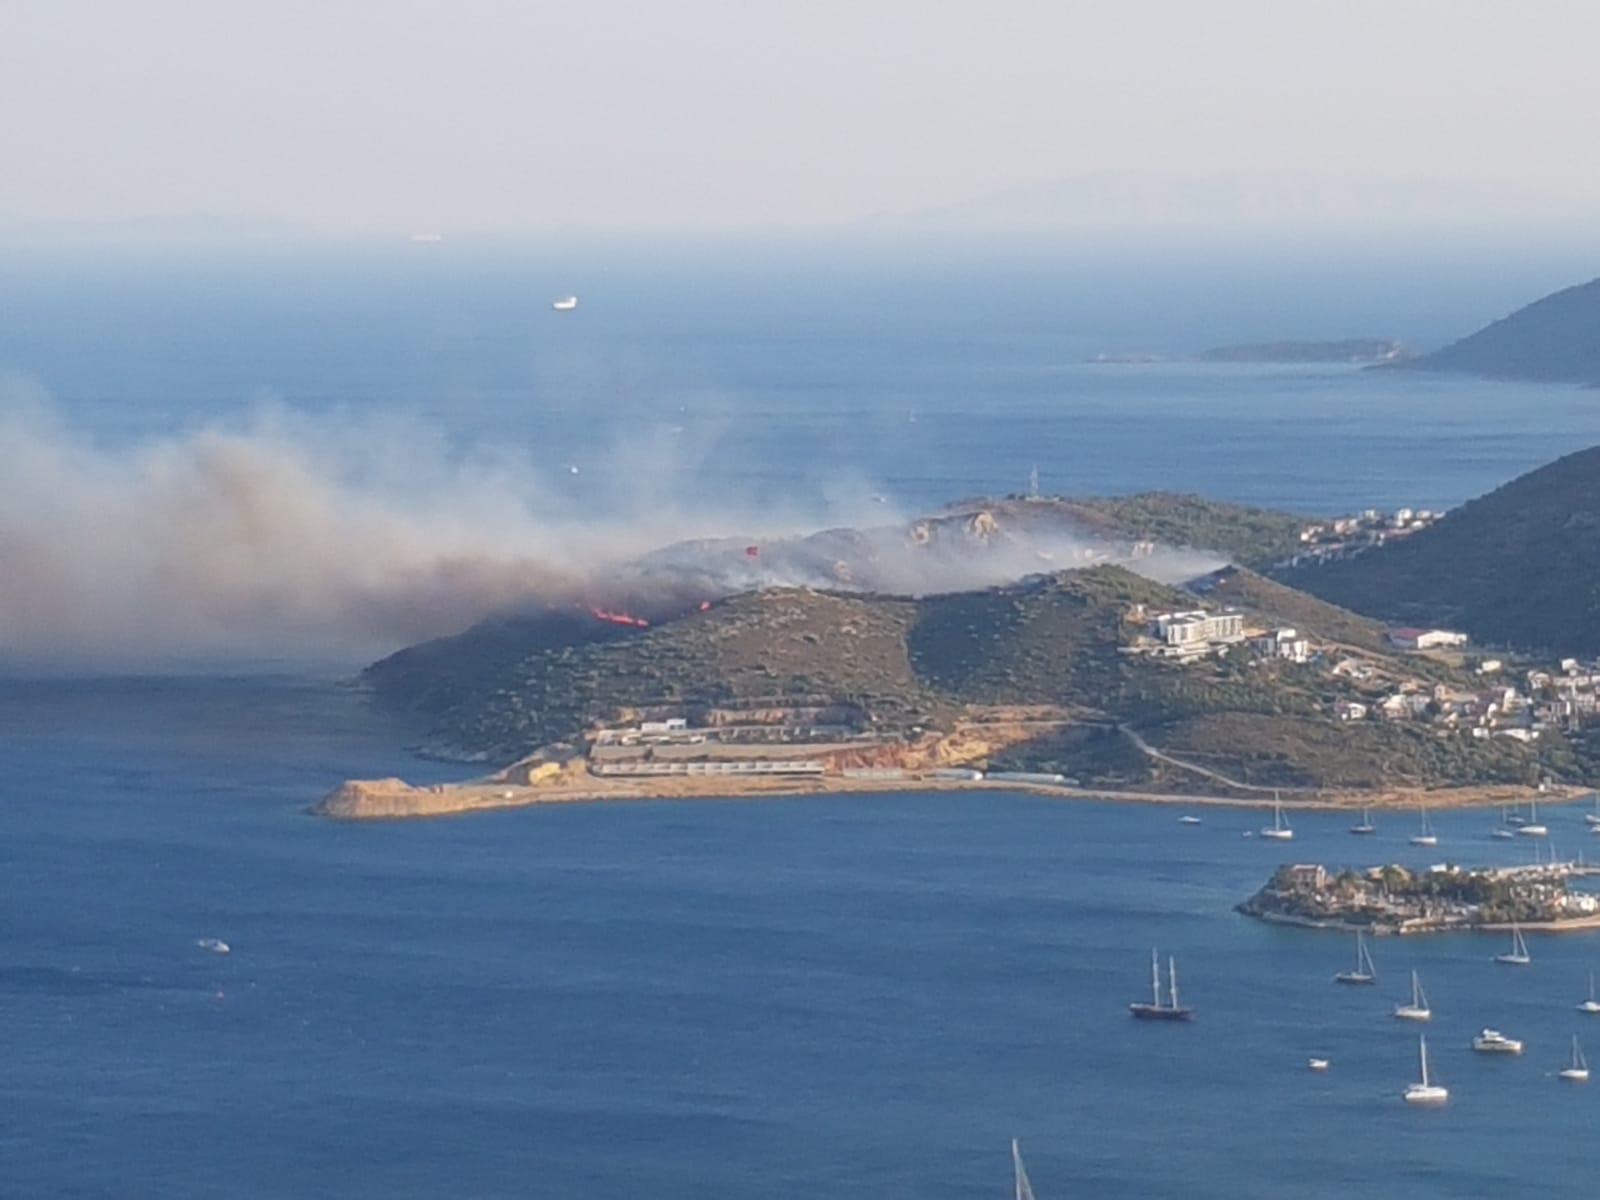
(333, 539)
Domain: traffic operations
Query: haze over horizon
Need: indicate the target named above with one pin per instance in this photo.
(706, 115)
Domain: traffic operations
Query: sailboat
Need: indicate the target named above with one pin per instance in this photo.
(1024, 1188)
(1366, 825)
(1578, 1071)
(1365, 971)
(1594, 817)
(1518, 955)
(1279, 829)
(1425, 1092)
(1427, 837)
(1417, 1009)
(1156, 1010)
(1591, 1005)
(1531, 827)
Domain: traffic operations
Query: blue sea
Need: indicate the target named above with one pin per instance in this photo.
(778, 998)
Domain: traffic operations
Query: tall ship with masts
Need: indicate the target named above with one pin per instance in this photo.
(1156, 1010)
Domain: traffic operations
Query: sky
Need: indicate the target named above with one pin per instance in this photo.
(482, 116)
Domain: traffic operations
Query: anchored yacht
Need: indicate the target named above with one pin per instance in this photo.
(1417, 1008)
(1425, 1092)
(1492, 1041)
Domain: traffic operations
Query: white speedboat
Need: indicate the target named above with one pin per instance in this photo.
(565, 304)
(1316, 1064)
(1578, 1070)
(1188, 820)
(215, 945)
(1426, 1091)
(1416, 1009)
(1492, 1041)
(1279, 829)
(1518, 955)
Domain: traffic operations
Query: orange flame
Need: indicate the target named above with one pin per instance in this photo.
(618, 618)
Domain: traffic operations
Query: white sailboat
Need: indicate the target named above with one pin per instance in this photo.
(1365, 826)
(1578, 1071)
(1417, 1009)
(1024, 1188)
(1591, 1005)
(1518, 955)
(1425, 1092)
(1188, 819)
(1594, 817)
(1531, 827)
(1365, 971)
(1279, 828)
(1426, 837)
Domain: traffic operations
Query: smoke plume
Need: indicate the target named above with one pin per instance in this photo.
(330, 539)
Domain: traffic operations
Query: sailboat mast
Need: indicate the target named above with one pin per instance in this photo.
(1422, 1053)
(1155, 978)
(1172, 979)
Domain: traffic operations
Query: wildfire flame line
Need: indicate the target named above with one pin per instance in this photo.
(618, 618)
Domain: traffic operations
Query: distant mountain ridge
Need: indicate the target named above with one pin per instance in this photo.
(1553, 340)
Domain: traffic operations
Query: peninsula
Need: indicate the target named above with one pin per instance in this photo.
(1440, 899)
(1044, 642)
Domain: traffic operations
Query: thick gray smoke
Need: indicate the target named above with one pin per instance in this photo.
(319, 539)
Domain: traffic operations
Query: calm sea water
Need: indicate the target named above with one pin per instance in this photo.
(792, 998)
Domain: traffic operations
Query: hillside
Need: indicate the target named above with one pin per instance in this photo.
(1518, 567)
(1553, 340)
(1254, 537)
(1041, 670)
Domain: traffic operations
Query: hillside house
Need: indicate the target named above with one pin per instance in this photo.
(1409, 637)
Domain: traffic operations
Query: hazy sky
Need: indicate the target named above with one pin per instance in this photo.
(476, 115)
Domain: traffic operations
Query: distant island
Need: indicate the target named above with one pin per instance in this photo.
(1354, 351)
(1553, 340)
(1344, 350)
(1392, 899)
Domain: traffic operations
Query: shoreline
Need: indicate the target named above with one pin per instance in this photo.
(395, 799)
(1562, 925)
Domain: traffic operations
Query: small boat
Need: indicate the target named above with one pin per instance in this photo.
(1591, 1005)
(1510, 818)
(1365, 825)
(1518, 955)
(1492, 1041)
(565, 304)
(1578, 1070)
(1417, 1009)
(1316, 1064)
(1365, 971)
(1186, 819)
(1020, 1173)
(1425, 1092)
(1426, 837)
(1593, 818)
(1279, 828)
(1503, 832)
(215, 945)
(1156, 1010)
(1531, 827)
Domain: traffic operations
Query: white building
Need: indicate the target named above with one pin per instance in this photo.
(1411, 638)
